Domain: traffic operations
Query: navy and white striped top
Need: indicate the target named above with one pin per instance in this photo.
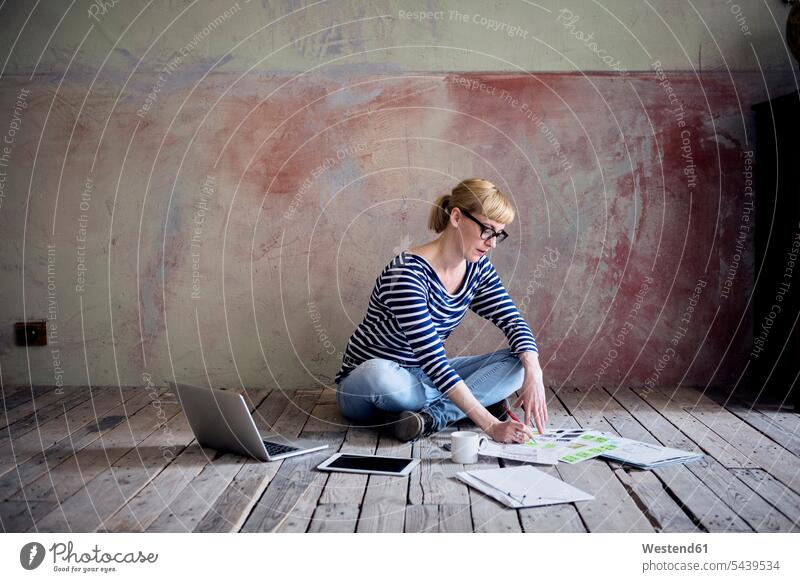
(411, 314)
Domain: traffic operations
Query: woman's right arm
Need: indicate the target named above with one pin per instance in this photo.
(509, 431)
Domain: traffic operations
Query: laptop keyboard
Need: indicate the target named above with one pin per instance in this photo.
(277, 449)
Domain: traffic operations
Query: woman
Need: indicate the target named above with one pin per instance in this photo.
(395, 369)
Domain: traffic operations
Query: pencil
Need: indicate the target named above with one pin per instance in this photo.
(511, 414)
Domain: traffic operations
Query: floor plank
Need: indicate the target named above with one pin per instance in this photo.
(664, 512)
(145, 507)
(113, 488)
(767, 426)
(612, 510)
(230, 510)
(444, 518)
(65, 437)
(423, 519)
(13, 397)
(759, 449)
(55, 426)
(651, 494)
(775, 493)
(292, 478)
(383, 509)
(325, 425)
(17, 516)
(334, 518)
(754, 443)
(71, 475)
(433, 481)
(203, 499)
(600, 411)
(454, 518)
(686, 485)
(35, 412)
(724, 452)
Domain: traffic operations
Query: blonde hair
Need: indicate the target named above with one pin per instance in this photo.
(474, 195)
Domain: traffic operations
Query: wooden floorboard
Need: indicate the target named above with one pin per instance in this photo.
(113, 487)
(488, 515)
(768, 426)
(203, 491)
(164, 488)
(324, 425)
(34, 412)
(340, 502)
(72, 473)
(550, 518)
(229, 511)
(125, 460)
(691, 486)
(612, 510)
(14, 397)
(293, 475)
(64, 437)
(742, 441)
(383, 509)
(52, 429)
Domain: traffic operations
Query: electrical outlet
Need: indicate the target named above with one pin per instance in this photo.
(31, 333)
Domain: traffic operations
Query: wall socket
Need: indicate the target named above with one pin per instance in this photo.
(31, 333)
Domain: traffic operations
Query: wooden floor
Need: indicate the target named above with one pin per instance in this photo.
(125, 460)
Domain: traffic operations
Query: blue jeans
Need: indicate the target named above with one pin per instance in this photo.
(379, 385)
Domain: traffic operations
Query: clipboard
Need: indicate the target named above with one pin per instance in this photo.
(522, 486)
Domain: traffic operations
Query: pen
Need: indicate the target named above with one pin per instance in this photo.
(511, 414)
(521, 498)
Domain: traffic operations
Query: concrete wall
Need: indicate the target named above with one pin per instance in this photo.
(209, 190)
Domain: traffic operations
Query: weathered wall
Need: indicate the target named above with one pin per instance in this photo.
(237, 199)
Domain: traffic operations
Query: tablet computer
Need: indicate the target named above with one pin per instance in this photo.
(374, 464)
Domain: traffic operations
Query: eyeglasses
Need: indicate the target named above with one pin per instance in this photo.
(487, 232)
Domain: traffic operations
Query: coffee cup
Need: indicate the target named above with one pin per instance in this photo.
(465, 446)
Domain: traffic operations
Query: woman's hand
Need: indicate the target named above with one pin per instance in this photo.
(509, 431)
(531, 397)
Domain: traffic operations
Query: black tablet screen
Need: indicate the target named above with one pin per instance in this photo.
(388, 464)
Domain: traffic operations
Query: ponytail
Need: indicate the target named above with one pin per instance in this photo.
(440, 214)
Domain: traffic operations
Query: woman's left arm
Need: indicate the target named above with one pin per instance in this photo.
(531, 395)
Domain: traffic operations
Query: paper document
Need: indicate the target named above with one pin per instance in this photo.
(560, 435)
(519, 452)
(573, 445)
(589, 445)
(647, 456)
(522, 486)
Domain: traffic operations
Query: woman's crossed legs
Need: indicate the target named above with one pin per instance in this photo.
(378, 386)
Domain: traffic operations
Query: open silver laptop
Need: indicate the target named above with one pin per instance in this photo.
(221, 420)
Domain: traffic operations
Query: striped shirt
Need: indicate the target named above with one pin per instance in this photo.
(411, 314)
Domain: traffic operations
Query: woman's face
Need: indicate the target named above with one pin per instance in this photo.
(473, 245)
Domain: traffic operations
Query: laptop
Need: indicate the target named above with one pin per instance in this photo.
(221, 420)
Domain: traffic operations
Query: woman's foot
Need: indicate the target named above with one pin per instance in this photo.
(499, 410)
(410, 426)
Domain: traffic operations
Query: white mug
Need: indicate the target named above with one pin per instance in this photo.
(465, 446)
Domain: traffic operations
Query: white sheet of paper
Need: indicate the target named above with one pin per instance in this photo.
(517, 452)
